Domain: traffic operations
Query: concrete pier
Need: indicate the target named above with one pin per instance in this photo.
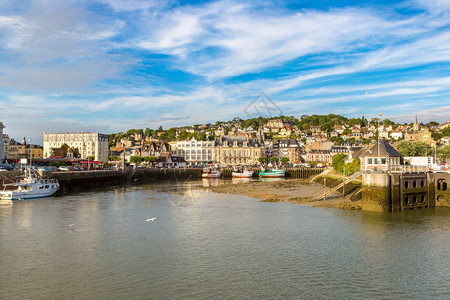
(385, 192)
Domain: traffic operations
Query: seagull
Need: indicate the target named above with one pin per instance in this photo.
(151, 219)
(366, 93)
(71, 225)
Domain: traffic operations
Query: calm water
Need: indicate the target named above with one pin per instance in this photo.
(204, 245)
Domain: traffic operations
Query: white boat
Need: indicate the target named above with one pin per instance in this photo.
(242, 173)
(29, 187)
(211, 173)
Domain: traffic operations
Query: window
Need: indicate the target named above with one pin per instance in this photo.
(369, 161)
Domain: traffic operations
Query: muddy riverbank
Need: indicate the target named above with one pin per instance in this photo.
(295, 191)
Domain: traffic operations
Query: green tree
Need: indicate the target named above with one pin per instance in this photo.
(408, 148)
(262, 159)
(285, 159)
(338, 162)
(444, 153)
(274, 159)
(354, 166)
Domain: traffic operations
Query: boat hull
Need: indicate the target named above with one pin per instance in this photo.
(12, 195)
(242, 175)
(272, 174)
(210, 175)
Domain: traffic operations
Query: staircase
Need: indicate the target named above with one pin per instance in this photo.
(353, 177)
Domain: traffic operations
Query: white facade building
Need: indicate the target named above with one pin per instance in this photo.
(87, 143)
(195, 152)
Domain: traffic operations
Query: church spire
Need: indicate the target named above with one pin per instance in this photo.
(416, 124)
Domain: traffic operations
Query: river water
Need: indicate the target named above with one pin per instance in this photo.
(202, 245)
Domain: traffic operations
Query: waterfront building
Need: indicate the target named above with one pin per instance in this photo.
(379, 156)
(319, 156)
(15, 150)
(238, 150)
(167, 160)
(1, 142)
(196, 152)
(87, 143)
(289, 148)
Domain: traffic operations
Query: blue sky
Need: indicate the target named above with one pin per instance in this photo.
(111, 65)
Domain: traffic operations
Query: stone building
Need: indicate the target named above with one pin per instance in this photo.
(420, 134)
(238, 150)
(87, 143)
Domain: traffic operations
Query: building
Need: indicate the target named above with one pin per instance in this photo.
(319, 156)
(87, 143)
(154, 148)
(1, 142)
(378, 156)
(14, 150)
(289, 148)
(166, 160)
(196, 152)
(238, 150)
(419, 134)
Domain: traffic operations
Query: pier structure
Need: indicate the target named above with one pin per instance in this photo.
(405, 190)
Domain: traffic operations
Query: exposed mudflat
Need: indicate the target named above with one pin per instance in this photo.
(296, 191)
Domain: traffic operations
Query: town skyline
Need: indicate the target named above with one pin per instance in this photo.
(108, 65)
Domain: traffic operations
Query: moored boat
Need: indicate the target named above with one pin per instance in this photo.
(210, 172)
(274, 173)
(242, 172)
(29, 187)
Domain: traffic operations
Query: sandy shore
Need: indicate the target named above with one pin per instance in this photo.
(297, 191)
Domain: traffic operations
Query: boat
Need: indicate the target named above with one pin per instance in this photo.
(30, 187)
(211, 173)
(242, 172)
(274, 173)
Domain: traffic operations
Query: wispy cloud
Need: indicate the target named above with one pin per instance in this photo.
(109, 64)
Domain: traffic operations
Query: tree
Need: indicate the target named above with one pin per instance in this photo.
(284, 159)
(408, 148)
(90, 157)
(262, 159)
(353, 167)
(338, 162)
(274, 159)
(444, 153)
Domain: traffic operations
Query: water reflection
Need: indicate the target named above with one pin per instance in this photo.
(240, 180)
(271, 179)
(207, 182)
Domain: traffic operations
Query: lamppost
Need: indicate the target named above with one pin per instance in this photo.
(31, 149)
(378, 142)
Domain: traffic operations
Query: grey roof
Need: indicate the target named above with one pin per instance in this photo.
(229, 140)
(385, 150)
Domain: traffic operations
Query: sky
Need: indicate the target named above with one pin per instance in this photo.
(111, 65)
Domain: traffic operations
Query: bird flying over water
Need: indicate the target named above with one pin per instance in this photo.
(151, 219)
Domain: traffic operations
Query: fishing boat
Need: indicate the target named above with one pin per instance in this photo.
(211, 172)
(274, 173)
(242, 172)
(29, 187)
